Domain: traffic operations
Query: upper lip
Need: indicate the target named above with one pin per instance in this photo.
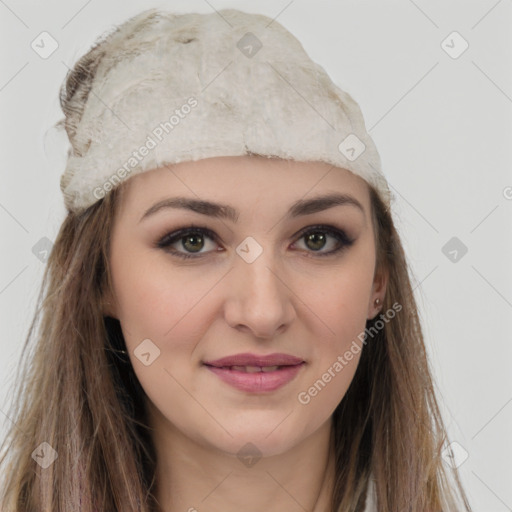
(247, 359)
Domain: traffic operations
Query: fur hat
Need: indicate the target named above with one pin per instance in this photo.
(165, 88)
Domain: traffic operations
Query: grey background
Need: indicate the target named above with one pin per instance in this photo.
(443, 128)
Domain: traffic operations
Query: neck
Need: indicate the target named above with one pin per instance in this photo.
(193, 477)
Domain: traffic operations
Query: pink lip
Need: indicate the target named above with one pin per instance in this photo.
(259, 381)
(248, 359)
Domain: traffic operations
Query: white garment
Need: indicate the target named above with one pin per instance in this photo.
(371, 498)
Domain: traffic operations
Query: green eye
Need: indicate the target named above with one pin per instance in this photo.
(193, 239)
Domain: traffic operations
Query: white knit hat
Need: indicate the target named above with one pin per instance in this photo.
(166, 88)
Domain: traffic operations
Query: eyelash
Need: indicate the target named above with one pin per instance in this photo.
(170, 238)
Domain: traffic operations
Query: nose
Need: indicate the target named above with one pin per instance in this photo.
(260, 300)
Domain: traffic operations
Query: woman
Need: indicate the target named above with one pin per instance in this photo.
(227, 320)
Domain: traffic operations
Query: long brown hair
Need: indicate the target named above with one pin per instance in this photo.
(388, 427)
(76, 390)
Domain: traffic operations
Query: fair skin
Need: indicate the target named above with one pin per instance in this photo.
(290, 299)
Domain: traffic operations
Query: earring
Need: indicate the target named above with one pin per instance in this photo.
(377, 302)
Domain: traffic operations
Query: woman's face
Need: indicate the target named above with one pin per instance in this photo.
(260, 279)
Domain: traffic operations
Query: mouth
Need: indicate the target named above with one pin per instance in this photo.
(249, 360)
(251, 369)
(256, 379)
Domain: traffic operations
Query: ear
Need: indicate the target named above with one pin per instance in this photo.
(379, 286)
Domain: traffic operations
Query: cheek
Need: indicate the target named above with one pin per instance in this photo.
(342, 308)
(162, 305)
(341, 301)
(336, 356)
(157, 301)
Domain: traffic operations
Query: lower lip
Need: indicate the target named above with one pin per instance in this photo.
(257, 381)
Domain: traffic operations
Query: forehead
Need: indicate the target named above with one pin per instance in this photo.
(242, 181)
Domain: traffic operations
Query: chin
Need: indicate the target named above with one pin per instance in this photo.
(268, 437)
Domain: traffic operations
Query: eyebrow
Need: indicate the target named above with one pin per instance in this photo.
(224, 211)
